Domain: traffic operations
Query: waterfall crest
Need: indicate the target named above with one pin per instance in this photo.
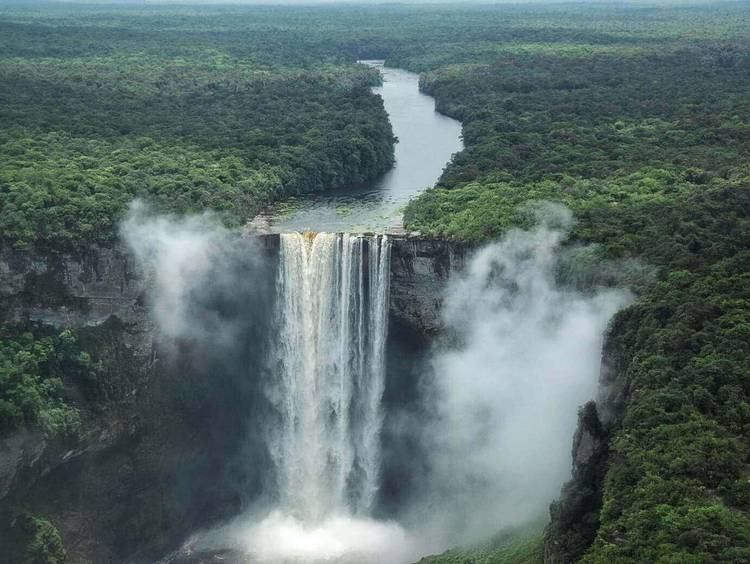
(328, 368)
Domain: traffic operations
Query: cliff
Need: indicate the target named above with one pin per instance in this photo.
(575, 515)
(155, 454)
(101, 293)
(167, 450)
(420, 268)
(74, 290)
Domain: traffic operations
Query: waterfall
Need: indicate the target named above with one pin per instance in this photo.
(328, 371)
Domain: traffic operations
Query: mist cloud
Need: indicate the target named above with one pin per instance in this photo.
(520, 355)
(181, 254)
(526, 355)
(206, 282)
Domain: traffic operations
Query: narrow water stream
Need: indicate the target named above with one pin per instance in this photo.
(426, 142)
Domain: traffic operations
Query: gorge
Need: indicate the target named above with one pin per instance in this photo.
(182, 473)
(259, 305)
(175, 345)
(282, 396)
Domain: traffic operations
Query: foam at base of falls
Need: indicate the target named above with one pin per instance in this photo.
(281, 538)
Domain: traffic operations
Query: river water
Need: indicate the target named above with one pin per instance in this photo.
(426, 142)
(325, 374)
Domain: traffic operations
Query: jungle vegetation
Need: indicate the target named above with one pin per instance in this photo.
(647, 139)
(36, 364)
(637, 117)
(89, 122)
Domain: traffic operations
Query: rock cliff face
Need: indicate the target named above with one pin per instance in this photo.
(575, 516)
(157, 456)
(168, 452)
(101, 293)
(420, 268)
(74, 290)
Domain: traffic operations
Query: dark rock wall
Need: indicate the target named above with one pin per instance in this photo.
(101, 294)
(420, 270)
(169, 451)
(159, 453)
(575, 516)
(75, 290)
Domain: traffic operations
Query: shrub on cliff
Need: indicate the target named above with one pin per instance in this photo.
(43, 544)
(34, 367)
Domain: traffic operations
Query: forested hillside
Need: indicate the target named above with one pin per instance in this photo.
(93, 116)
(635, 117)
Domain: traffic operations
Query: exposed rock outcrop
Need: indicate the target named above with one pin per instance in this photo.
(575, 516)
(420, 268)
(73, 290)
(156, 455)
(100, 292)
(18, 451)
(168, 452)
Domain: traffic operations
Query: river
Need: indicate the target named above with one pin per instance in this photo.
(326, 366)
(426, 142)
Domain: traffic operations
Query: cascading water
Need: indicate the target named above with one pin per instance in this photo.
(325, 380)
(328, 370)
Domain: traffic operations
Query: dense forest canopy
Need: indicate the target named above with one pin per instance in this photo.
(637, 117)
(229, 108)
(88, 123)
(647, 139)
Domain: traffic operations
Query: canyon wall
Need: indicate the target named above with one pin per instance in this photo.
(156, 455)
(167, 451)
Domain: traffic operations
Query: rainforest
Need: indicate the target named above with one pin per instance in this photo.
(375, 283)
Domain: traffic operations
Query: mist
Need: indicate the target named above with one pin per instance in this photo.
(179, 254)
(524, 355)
(519, 355)
(207, 283)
